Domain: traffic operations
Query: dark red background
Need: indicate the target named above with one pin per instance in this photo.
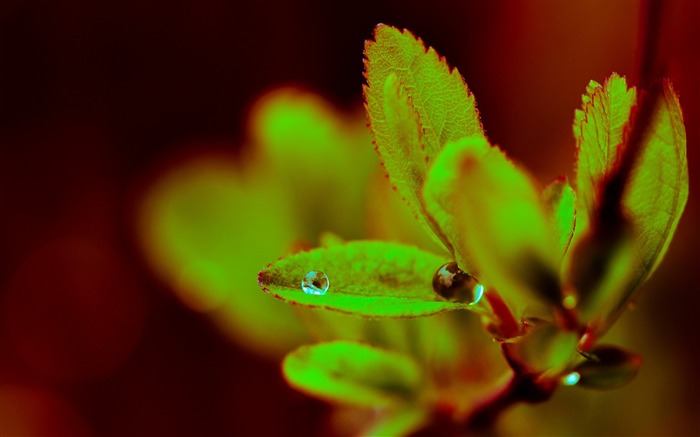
(93, 94)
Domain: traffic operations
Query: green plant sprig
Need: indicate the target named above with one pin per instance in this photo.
(556, 266)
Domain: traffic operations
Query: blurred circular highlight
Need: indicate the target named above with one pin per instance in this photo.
(29, 412)
(73, 310)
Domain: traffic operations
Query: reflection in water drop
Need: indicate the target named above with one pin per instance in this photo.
(315, 282)
(451, 283)
(571, 379)
(478, 293)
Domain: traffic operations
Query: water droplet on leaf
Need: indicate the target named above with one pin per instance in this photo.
(315, 282)
(451, 283)
(571, 379)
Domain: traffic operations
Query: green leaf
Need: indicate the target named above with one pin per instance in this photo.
(401, 422)
(415, 105)
(192, 223)
(599, 130)
(312, 151)
(404, 157)
(546, 347)
(601, 267)
(497, 210)
(353, 373)
(658, 189)
(367, 278)
(441, 196)
(389, 218)
(560, 202)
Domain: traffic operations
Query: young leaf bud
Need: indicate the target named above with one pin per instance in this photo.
(607, 367)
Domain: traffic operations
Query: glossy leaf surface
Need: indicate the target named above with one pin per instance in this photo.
(560, 202)
(442, 196)
(497, 209)
(658, 189)
(367, 278)
(352, 373)
(415, 105)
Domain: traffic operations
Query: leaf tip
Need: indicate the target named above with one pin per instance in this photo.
(265, 278)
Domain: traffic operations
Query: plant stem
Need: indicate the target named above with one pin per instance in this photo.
(523, 386)
(650, 91)
(649, 67)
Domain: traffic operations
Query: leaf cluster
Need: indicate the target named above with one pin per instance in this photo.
(557, 268)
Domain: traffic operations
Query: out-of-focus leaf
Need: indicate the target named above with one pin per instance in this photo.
(658, 189)
(401, 422)
(442, 192)
(546, 347)
(353, 373)
(608, 367)
(601, 268)
(389, 218)
(560, 202)
(320, 158)
(415, 105)
(205, 229)
(367, 278)
(498, 212)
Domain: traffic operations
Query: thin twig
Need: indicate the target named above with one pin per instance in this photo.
(523, 386)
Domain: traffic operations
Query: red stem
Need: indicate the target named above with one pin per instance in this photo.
(508, 326)
(523, 386)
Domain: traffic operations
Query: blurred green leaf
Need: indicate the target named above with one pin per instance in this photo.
(498, 213)
(319, 158)
(193, 223)
(441, 195)
(560, 202)
(353, 373)
(415, 104)
(400, 422)
(601, 267)
(367, 278)
(391, 219)
(546, 347)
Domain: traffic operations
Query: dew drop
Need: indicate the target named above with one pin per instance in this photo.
(569, 302)
(315, 282)
(451, 283)
(571, 379)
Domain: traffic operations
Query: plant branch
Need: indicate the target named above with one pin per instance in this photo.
(523, 386)
(649, 67)
(649, 71)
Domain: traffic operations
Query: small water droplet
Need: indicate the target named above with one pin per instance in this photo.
(569, 302)
(451, 283)
(571, 379)
(315, 282)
